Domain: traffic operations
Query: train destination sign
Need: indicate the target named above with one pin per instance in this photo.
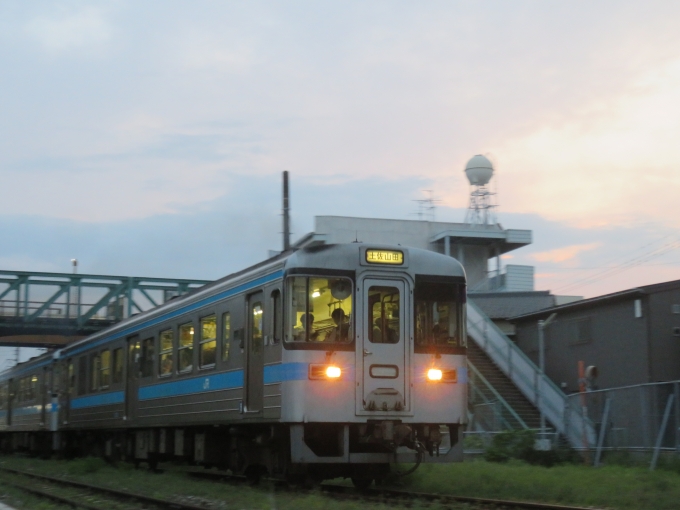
(385, 257)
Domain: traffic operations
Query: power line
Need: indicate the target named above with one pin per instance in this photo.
(635, 261)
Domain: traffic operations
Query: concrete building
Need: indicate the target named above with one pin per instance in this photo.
(474, 245)
(632, 337)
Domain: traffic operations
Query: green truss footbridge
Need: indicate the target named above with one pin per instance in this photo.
(52, 309)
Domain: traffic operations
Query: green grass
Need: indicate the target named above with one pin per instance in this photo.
(612, 486)
(621, 486)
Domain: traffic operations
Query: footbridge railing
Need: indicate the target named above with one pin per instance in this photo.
(568, 420)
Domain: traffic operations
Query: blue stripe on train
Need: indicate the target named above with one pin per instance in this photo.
(114, 397)
(223, 381)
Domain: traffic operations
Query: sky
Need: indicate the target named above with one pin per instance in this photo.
(148, 138)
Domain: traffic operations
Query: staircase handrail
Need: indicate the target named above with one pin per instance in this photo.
(536, 387)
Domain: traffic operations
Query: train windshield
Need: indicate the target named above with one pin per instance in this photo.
(319, 309)
(439, 317)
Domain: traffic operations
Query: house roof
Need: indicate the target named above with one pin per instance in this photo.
(599, 300)
(503, 305)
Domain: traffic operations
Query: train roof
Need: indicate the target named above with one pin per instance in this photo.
(343, 257)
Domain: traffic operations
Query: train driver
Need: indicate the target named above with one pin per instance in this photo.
(341, 330)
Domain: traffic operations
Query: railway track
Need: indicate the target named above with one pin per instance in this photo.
(394, 497)
(53, 489)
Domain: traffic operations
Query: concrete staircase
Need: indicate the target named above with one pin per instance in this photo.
(488, 409)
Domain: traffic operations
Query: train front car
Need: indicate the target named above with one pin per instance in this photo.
(374, 366)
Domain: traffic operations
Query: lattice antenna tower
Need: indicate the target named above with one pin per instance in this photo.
(427, 207)
(482, 208)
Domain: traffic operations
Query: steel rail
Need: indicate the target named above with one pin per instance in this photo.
(403, 495)
(163, 503)
(49, 495)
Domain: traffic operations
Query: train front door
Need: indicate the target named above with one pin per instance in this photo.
(382, 350)
(132, 376)
(254, 350)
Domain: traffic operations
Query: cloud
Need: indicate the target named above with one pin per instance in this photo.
(564, 254)
(76, 30)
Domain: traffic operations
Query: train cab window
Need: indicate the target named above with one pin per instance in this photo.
(82, 375)
(439, 315)
(318, 309)
(185, 350)
(226, 339)
(147, 357)
(208, 342)
(383, 315)
(105, 377)
(95, 367)
(165, 357)
(117, 366)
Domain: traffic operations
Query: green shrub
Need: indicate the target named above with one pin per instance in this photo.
(85, 466)
(519, 444)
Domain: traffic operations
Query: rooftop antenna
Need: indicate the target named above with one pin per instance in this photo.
(286, 213)
(479, 171)
(427, 206)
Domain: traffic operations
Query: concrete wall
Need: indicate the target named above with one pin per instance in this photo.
(608, 336)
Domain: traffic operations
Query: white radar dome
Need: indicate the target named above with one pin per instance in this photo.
(479, 170)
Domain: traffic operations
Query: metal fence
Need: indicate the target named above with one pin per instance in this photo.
(643, 417)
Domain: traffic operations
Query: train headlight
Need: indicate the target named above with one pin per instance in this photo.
(324, 372)
(333, 372)
(434, 374)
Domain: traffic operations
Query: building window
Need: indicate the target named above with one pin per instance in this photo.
(675, 308)
(105, 369)
(117, 365)
(185, 351)
(166, 353)
(638, 308)
(581, 331)
(147, 357)
(226, 341)
(208, 343)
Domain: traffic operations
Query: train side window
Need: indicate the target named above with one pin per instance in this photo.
(71, 374)
(82, 375)
(165, 356)
(117, 366)
(34, 387)
(95, 368)
(22, 390)
(226, 339)
(185, 350)
(277, 317)
(208, 342)
(256, 326)
(105, 369)
(147, 357)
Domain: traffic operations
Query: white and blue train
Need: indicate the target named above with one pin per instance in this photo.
(321, 362)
